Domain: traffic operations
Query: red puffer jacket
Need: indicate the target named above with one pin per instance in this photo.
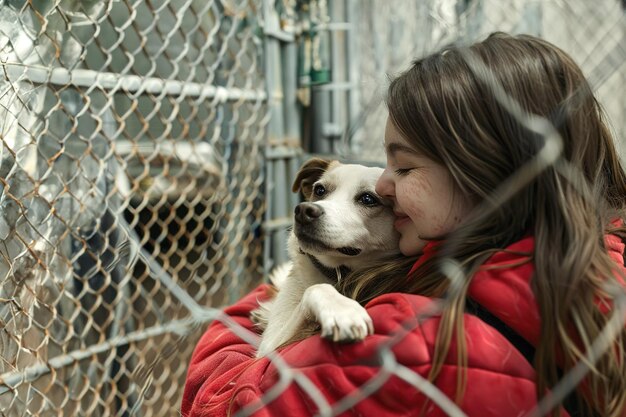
(224, 375)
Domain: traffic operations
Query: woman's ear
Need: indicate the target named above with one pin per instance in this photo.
(310, 172)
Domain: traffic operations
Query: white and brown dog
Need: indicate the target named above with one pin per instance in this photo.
(342, 225)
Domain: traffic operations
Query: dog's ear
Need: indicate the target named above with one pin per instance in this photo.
(310, 172)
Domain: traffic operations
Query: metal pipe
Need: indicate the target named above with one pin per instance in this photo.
(353, 141)
(338, 72)
(268, 262)
(275, 126)
(127, 83)
(279, 236)
(291, 106)
(333, 26)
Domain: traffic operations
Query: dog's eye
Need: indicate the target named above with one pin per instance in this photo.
(368, 200)
(319, 190)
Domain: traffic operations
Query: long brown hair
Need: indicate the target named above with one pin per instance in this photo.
(481, 111)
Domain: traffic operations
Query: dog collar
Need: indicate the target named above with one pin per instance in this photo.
(333, 274)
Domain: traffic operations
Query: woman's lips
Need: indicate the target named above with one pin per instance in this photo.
(401, 220)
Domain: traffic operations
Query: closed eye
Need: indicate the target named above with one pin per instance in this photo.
(401, 172)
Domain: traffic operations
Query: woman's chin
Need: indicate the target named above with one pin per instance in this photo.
(412, 246)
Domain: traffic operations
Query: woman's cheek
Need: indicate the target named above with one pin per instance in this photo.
(414, 211)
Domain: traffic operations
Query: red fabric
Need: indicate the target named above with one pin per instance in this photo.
(224, 376)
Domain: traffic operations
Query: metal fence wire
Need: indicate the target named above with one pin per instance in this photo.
(147, 149)
(131, 163)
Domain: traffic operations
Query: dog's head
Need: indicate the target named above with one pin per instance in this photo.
(344, 220)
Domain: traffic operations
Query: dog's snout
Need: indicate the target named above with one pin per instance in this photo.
(307, 212)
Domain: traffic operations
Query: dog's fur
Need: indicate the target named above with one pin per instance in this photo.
(334, 231)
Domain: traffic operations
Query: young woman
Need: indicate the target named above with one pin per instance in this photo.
(510, 299)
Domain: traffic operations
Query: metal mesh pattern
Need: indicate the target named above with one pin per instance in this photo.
(133, 169)
(131, 166)
(388, 35)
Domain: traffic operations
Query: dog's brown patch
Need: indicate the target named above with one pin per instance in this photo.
(311, 171)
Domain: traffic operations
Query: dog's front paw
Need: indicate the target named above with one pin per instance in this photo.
(345, 321)
(342, 319)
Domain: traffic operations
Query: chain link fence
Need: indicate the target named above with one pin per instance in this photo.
(132, 154)
(147, 150)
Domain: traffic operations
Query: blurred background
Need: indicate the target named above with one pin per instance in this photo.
(148, 148)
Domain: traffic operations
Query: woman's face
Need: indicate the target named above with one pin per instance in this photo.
(426, 202)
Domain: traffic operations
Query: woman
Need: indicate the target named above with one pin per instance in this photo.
(510, 201)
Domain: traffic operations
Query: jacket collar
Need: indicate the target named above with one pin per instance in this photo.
(502, 285)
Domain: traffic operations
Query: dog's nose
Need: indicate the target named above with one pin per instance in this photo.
(307, 212)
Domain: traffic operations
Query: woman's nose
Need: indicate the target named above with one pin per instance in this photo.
(385, 186)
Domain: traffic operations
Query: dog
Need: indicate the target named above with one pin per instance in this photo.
(342, 224)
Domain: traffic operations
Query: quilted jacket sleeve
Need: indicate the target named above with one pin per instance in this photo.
(220, 355)
(379, 376)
